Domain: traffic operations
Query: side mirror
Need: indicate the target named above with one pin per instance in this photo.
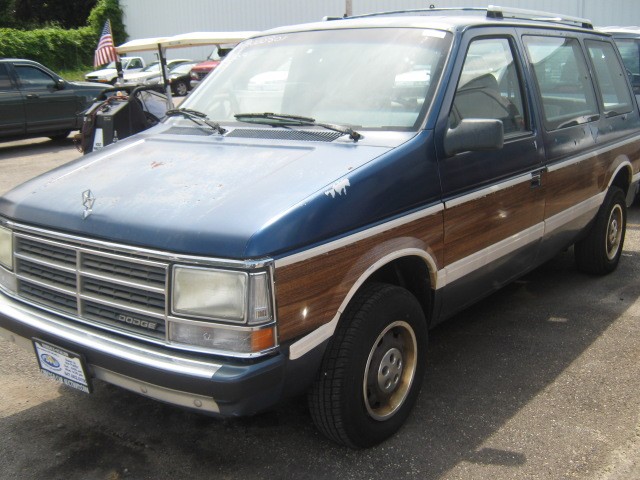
(474, 135)
(59, 85)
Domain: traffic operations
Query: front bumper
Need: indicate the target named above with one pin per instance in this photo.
(192, 381)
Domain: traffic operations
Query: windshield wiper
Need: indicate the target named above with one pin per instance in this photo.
(282, 119)
(196, 117)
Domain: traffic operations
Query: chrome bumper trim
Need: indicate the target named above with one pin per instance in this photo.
(174, 397)
(120, 348)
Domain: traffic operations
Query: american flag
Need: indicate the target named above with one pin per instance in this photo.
(105, 52)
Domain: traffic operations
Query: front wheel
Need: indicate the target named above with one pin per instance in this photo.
(373, 368)
(599, 252)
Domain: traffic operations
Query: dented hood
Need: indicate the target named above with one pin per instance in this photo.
(210, 196)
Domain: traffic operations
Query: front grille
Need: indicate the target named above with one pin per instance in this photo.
(201, 75)
(101, 286)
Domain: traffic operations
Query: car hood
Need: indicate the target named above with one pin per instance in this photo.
(206, 65)
(215, 196)
(104, 71)
(139, 75)
(100, 86)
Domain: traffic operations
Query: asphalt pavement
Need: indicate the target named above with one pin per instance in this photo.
(539, 381)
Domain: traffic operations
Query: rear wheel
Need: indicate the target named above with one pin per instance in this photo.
(599, 252)
(373, 368)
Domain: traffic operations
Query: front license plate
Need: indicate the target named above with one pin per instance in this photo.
(62, 365)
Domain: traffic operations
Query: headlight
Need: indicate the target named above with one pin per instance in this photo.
(208, 293)
(6, 248)
(204, 298)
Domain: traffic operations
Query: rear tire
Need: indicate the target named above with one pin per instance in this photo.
(599, 252)
(373, 367)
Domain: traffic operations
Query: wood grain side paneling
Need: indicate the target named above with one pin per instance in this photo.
(569, 185)
(309, 292)
(482, 222)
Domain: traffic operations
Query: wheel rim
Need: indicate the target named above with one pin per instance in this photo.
(181, 89)
(614, 231)
(390, 369)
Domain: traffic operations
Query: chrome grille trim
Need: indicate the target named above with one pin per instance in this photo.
(125, 250)
(77, 310)
(97, 286)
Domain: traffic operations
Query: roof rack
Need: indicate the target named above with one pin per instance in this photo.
(494, 11)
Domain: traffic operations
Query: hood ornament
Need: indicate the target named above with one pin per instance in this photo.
(87, 200)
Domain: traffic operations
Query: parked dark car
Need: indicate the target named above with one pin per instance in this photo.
(178, 78)
(36, 102)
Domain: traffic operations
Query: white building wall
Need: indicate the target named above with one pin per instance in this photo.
(154, 18)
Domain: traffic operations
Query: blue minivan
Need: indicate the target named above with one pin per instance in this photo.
(329, 194)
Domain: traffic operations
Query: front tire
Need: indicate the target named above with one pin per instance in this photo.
(373, 368)
(599, 252)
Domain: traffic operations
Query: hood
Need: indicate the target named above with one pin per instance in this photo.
(206, 65)
(100, 86)
(140, 75)
(104, 71)
(214, 196)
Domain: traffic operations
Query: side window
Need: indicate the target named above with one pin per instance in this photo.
(629, 53)
(135, 63)
(489, 86)
(610, 76)
(5, 81)
(563, 79)
(33, 78)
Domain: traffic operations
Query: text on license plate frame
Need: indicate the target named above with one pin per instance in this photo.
(62, 365)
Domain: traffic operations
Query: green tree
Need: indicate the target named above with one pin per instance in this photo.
(31, 14)
(52, 45)
(111, 10)
(7, 13)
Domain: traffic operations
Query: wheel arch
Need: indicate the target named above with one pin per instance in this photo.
(622, 176)
(412, 268)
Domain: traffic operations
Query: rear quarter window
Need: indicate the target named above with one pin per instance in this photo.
(610, 78)
(563, 79)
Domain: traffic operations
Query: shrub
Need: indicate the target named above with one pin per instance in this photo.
(59, 48)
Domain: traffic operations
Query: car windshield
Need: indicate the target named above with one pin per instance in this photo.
(379, 78)
(125, 62)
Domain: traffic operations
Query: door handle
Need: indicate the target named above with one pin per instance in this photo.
(536, 179)
(33, 95)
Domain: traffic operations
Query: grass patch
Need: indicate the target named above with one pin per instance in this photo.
(76, 74)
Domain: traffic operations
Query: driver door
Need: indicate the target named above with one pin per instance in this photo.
(494, 199)
(49, 105)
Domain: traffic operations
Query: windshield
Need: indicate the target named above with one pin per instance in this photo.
(125, 62)
(367, 78)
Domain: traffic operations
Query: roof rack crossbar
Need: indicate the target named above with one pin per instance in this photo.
(492, 11)
(410, 11)
(495, 11)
